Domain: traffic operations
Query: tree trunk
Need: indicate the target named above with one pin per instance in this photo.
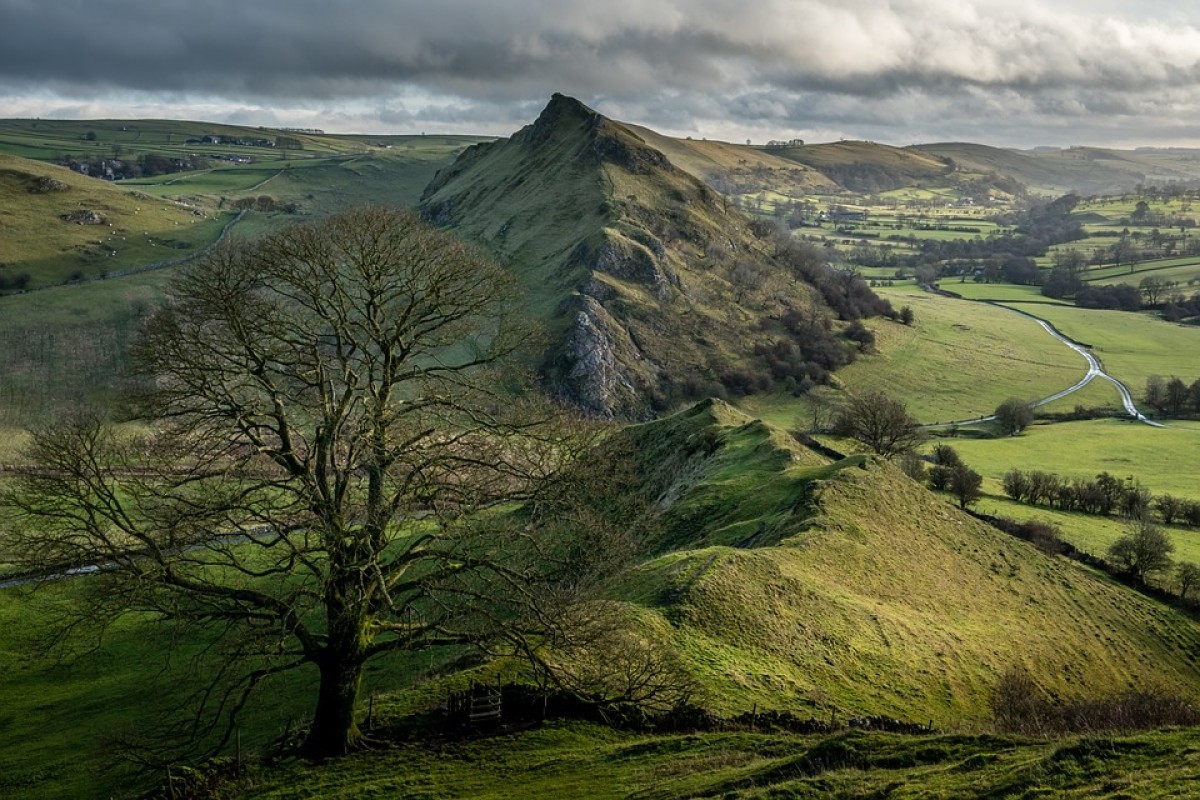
(334, 731)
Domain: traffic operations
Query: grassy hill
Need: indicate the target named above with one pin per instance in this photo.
(651, 286)
(847, 586)
(738, 169)
(57, 224)
(869, 167)
(566, 760)
(1082, 170)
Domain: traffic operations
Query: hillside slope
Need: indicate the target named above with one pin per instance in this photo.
(871, 167)
(653, 290)
(738, 169)
(55, 224)
(790, 584)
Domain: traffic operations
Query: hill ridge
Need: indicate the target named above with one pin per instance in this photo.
(654, 289)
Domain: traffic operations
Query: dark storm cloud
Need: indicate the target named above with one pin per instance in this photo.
(685, 63)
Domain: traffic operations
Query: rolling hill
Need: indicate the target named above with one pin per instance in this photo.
(57, 224)
(1082, 170)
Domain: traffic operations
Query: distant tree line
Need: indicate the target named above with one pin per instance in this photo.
(1105, 495)
(144, 166)
(1172, 397)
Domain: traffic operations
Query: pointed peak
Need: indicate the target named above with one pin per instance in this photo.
(561, 105)
(561, 115)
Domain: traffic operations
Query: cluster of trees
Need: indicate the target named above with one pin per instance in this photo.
(950, 474)
(1104, 496)
(145, 165)
(1013, 416)
(811, 347)
(1176, 307)
(264, 203)
(1117, 297)
(1172, 397)
(843, 290)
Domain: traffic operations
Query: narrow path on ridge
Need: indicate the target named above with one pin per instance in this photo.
(1094, 371)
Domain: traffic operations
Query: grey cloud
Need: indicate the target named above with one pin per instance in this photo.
(686, 65)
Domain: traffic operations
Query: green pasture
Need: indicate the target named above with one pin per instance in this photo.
(65, 713)
(1088, 532)
(68, 346)
(133, 230)
(1131, 346)
(1183, 271)
(998, 292)
(1162, 459)
(1097, 394)
(959, 360)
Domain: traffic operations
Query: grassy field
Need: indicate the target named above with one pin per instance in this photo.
(778, 581)
(1089, 533)
(1131, 346)
(959, 360)
(1161, 459)
(69, 346)
(1183, 271)
(133, 229)
(998, 292)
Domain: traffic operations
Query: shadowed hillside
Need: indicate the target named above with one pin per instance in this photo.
(653, 289)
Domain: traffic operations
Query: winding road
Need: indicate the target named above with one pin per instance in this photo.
(1094, 371)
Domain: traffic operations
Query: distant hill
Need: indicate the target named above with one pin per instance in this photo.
(653, 288)
(1082, 170)
(868, 167)
(57, 225)
(736, 168)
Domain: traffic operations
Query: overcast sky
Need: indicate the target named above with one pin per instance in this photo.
(1056, 72)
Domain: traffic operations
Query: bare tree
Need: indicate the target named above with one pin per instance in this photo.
(880, 422)
(326, 432)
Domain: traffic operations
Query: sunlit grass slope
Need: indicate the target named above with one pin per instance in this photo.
(957, 361)
(42, 206)
(854, 589)
(1131, 346)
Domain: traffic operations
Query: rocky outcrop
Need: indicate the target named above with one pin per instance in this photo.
(606, 374)
(85, 218)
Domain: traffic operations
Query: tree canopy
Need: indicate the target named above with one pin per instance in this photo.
(331, 445)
